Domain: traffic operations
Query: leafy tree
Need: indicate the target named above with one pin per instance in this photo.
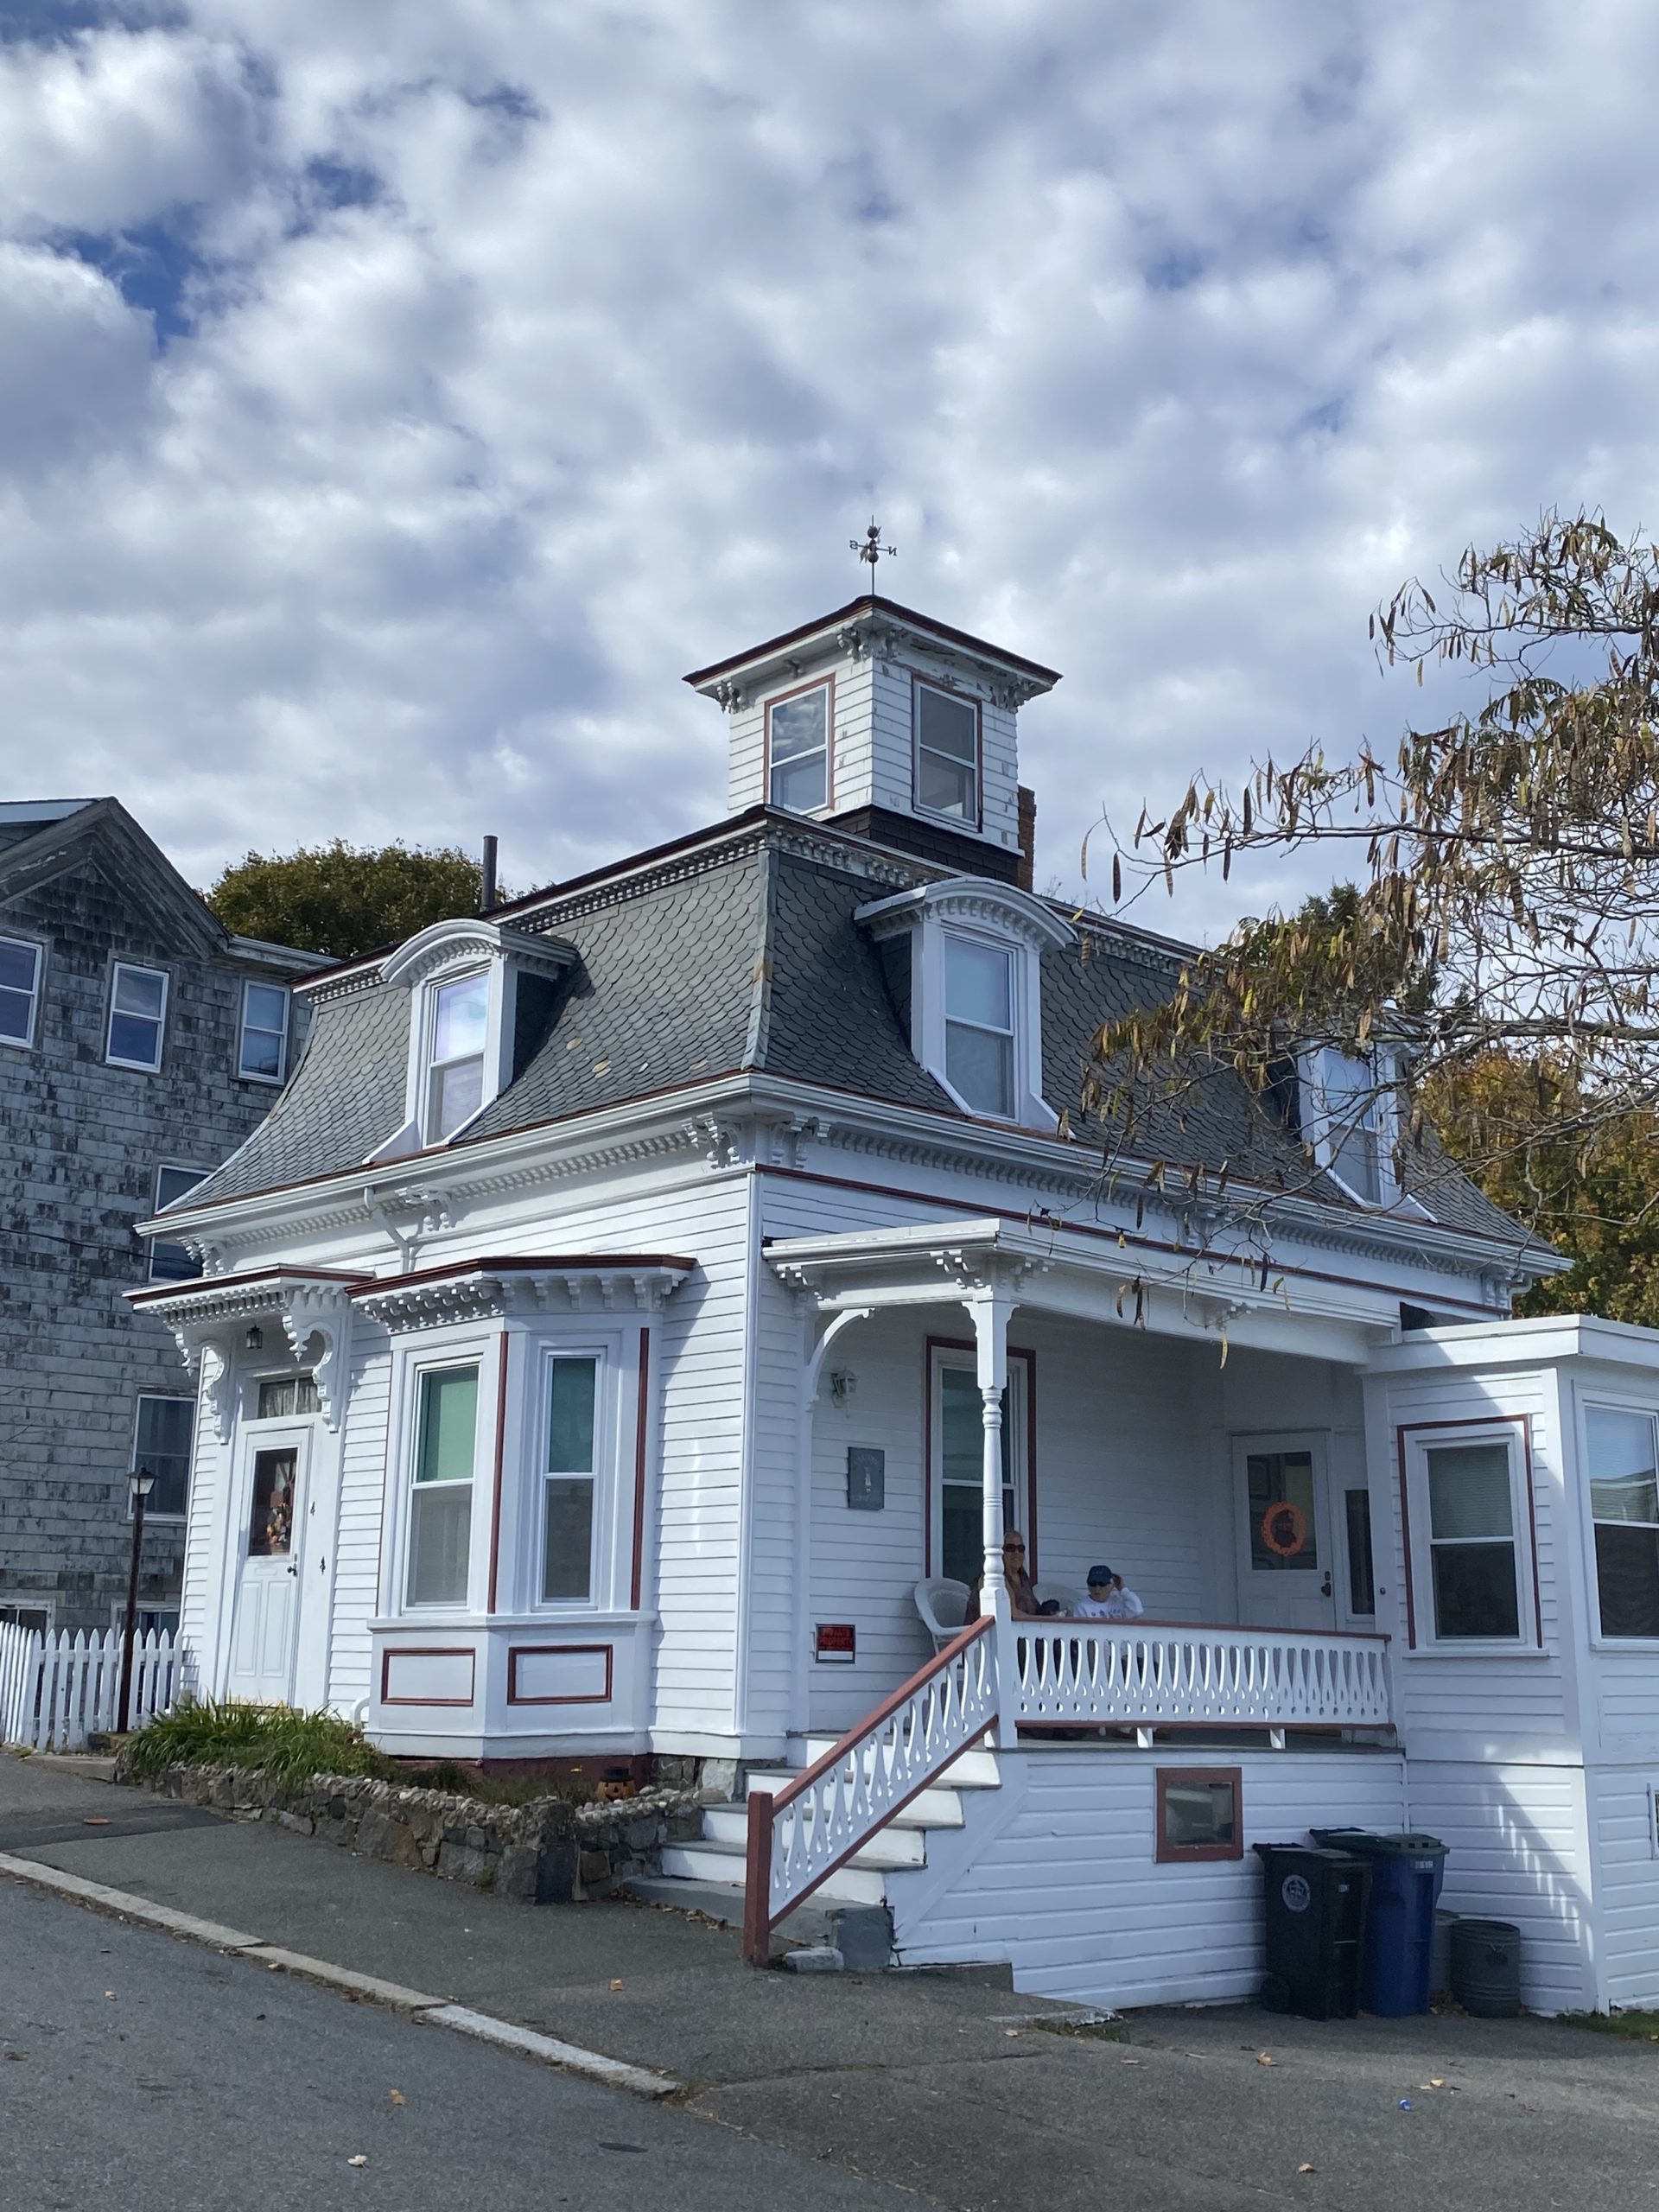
(346, 900)
(1504, 937)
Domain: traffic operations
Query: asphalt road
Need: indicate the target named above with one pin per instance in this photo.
(142, 2074)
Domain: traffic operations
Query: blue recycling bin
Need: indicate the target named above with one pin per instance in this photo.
(1398, 1948)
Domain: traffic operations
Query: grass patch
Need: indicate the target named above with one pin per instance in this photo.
(1634, 2026)
(224, 1731)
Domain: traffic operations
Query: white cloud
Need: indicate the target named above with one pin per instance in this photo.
(534, 356)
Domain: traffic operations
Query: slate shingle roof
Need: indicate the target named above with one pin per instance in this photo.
(746, 957)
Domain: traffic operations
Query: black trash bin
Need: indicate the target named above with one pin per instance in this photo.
(1315, 1902)
(1486, 1967)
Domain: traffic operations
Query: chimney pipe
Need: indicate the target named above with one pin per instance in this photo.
(1027, 877)
(487, 897)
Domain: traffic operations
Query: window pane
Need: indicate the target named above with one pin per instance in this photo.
(1627, 1575)
(978, 983)
(962, 1428)
(138, 990)
(267, 1007)
(1198, 1813)
(962, 1548)
(132, 1038)
(945, 786)
(570, 1417)
(1469, 1491)
(1622, 1478)
(162, 1445)
(1283, 1541)
(447, 1425)
(1355, 1158)
(462, 1014)
(287, 1396)
(567, 1548)
(19, 972)
(262, 1053)
(271, 1525)
(15, 1011)
(800, 726)
(1362, 1592)
(439, 1539)
(946, 725)
(800, 785)
(16, 965)
(979, 1067)
(457, 1094)
(1475, 1590)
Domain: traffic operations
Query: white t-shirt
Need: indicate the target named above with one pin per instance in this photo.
(1120, 1606)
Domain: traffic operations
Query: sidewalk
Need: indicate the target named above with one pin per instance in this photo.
(926, 2081)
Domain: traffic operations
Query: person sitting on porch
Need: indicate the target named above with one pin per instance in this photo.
(1108, 1599)
(1023, 1601)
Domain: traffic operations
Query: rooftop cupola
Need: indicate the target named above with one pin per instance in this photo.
(887, 723)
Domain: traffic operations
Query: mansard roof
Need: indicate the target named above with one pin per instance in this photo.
(738, 951)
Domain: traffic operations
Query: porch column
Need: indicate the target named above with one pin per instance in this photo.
(989, 1311)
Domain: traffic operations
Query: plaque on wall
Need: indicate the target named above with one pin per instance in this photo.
(867, 1477)
(835, 1644)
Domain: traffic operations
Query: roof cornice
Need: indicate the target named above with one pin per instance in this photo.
(872, 607)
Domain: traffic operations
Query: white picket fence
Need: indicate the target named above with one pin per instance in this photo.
(57, 1690)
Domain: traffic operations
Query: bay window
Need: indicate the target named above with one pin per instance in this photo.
(1623, 1472)
(440, 1508)
(568, 1478)
(1471, 1530)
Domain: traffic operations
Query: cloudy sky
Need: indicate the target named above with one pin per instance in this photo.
(396, 396)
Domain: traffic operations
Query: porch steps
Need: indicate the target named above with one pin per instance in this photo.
(707, 1876)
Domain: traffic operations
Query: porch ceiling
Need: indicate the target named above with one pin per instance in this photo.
(1058, 1269)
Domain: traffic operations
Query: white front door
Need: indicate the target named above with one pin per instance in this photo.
(1286, 1540)
(267, 1578)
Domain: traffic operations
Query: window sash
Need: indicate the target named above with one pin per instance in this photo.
(162, 1435)
(798, 751)
(1624, 1519)
(262, 1053)
(455, 1076)
(1469, 1542)
(20, 989)
(946, 734)
(440, 1504)
(574, 1406)
(979, 1048)
(170, 1262)
(137, 1019)
(960, 1453)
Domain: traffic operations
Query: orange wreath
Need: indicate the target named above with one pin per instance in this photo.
(1285, 1539)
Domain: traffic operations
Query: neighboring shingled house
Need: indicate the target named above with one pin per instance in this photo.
(637, 1325)
(140, 1042)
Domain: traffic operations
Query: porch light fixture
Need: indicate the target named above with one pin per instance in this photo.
(843, 1384)
(255, 1339)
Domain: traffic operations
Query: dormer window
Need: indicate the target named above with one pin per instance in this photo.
(979, 1023)
(799, 727)
(480, 993)
(972, 953)
(460, 1021)
(946, 730)
(1349, 1120)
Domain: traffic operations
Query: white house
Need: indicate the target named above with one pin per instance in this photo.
(639, 1290)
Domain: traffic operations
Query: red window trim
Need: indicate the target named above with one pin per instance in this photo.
(963, 1344)
(817, 684)
(968, 699)
(517, 1651)
(1402, 1430)
(1184, 1854)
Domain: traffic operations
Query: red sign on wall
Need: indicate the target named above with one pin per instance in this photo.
(836, 1643)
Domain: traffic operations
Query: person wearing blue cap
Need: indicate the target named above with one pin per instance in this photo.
(1108, 1599)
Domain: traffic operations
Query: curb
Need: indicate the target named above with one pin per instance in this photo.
(424, 2009)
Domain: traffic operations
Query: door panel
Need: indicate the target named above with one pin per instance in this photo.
(1287, 1550)
(268, 1580)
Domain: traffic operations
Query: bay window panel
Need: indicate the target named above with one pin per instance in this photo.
(1624, 1506)
(440, 1543)
(1475, 1592)
(568, 1538)
(441, 1509)
(1474, 1559)
(570, 1480)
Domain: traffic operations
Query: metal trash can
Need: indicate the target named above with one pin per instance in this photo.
(1486, 1967)
(1406, 1875)
(1314, 1903)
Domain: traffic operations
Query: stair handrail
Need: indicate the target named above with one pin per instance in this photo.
(832, 1808)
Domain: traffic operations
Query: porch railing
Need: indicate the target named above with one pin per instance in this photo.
(1142, 1673)
(798, 1839)
(57, 1690)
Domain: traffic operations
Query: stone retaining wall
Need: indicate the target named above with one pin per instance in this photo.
(549, 1851)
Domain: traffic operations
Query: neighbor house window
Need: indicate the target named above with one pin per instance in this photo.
(262, 1054)
(946, 755)
(568, 1483)
(979, 1018)
(28, 1615)
(160, 1445)
(459, 1016)
(441, 1513)
(20, 989)
(171, 1263)
(1469, 1502)
(137, 1017)
(1625, 1507)
(798, 749)
(1200, 1812)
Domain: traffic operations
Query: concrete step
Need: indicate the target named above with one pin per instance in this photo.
(933, 1809)
(892, 1846)
(723, 1901)
(711, 1861)
(974, 1769)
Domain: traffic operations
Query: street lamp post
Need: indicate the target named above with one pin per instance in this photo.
(139, 1484)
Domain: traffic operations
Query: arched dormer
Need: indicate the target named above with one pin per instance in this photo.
(966, 954)
(477, 987)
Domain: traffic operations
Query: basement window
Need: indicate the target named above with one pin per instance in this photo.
(1200, 1813)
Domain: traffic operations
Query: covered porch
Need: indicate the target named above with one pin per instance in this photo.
(1193, 1431)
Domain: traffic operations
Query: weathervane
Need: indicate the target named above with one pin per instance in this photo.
(869, 548)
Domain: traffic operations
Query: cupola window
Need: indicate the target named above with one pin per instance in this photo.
(798, 748)
(947, 754)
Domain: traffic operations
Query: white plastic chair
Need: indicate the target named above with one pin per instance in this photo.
(943, 1606)
(1059, 1593)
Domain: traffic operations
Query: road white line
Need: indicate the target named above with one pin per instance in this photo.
(615, 2073)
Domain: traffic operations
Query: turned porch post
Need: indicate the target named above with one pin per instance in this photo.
(990, 1310)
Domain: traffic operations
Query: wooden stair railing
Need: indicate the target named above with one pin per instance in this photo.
(799, 1838)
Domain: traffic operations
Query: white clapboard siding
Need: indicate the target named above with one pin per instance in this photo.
(199, 1591)
(357, 1536)
(1516, 1847)
(57, 1690)
(1069, 1892)
(1624, 1844)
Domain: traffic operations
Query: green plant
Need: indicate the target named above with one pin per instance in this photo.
(225, 1732)
(1636, 2026)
